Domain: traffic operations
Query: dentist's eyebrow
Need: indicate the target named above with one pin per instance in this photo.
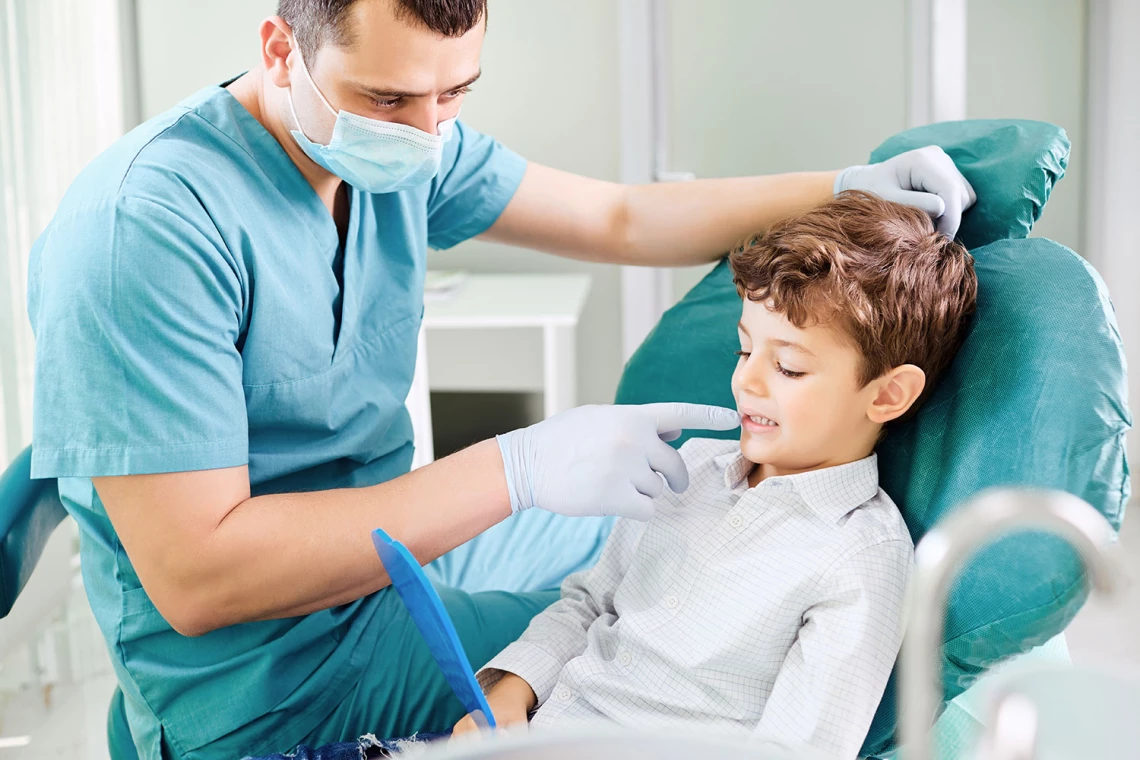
(379, 93)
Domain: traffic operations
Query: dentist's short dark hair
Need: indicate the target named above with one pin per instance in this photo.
(317, 22)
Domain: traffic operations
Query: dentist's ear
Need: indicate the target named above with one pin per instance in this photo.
(276, 45)
(897, 392)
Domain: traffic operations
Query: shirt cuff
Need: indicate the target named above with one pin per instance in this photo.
(528, 661)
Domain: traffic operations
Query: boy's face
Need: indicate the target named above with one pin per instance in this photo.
(798, 392)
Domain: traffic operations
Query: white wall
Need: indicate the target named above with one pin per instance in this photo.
(766, 86)
(1026, 59)
(185, 46)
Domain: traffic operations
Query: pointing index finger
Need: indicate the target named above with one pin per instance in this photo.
(679, 416)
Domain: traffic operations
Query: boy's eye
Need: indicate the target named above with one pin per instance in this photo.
(788, 372)
(745, 354)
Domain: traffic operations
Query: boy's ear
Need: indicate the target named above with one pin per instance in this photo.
(897, 392)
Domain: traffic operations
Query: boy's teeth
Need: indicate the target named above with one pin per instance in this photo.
(762, 421)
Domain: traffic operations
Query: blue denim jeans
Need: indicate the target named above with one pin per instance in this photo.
(364, 748)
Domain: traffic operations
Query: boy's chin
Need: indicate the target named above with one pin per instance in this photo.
(756, 451)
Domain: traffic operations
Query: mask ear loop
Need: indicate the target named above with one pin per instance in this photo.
(292, 107)
(309, 76)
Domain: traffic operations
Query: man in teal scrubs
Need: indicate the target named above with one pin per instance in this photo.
(226, 307)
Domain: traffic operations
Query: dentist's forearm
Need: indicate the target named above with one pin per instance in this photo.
(431, 510)
(667, 224)
(686, 223)
(210, 556)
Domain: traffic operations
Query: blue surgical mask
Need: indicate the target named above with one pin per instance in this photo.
(371, 155)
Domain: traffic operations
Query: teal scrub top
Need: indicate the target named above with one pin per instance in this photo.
(193, 309)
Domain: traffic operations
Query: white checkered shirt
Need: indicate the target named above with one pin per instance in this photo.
(774, 611)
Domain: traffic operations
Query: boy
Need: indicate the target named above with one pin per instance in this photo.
(767, 599)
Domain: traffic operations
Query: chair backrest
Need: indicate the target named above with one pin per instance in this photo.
(1036, 397)
(29, 511)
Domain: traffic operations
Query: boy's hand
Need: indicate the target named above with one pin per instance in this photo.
(511, 699)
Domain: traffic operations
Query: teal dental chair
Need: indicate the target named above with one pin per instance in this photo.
(29, 511)
(1037, 396)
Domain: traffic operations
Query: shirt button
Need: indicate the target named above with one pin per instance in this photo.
(563, 694)
(671, 602)
(736, 521)
(625, 658)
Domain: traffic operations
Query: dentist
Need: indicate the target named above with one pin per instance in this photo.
(226, 307)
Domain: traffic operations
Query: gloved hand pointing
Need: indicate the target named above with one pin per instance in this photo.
(604, 460)
(925, 178)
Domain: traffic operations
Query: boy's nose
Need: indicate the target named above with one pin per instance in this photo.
(752, 381)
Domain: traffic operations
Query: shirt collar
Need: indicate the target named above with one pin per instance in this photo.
(832, 492)
(736, 469)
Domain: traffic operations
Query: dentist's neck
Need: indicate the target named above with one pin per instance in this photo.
(269, 104)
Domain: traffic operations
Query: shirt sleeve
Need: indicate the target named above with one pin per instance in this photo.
(833, 677)
(137, 310)
(558, 634)
(477, 177)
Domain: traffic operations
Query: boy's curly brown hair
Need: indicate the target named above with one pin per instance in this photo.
(901, 291)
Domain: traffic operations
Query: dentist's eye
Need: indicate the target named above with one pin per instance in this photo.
(456, 93)
(386, 102)
(788, 372)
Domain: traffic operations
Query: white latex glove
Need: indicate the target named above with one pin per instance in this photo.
(604, 460)
(925, 178)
